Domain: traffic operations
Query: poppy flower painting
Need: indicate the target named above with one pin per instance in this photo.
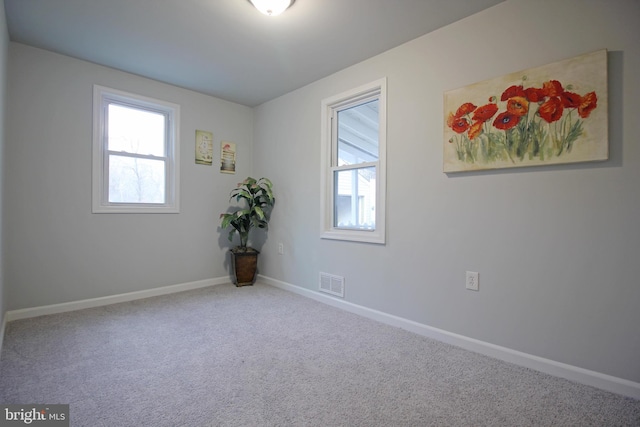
(552, 114)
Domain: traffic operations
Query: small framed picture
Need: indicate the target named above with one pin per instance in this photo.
(227, 157)
(204, 148)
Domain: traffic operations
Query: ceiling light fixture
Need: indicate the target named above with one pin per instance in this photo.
(272, 7)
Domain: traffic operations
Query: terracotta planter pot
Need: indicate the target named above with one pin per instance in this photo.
(245, 266)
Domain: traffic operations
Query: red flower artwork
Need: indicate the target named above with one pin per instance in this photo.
(458, 124)
(518, 106)
(506, 121)
(552, 88)
(465, 109)
(588, 103)
(485, 112)
(550, 114)
(475, 129)
(534, 94)
(551, 110)
(570, 99)
(512, 91)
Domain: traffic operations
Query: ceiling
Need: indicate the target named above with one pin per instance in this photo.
(226, 48)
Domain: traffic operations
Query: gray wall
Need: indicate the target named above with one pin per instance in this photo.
(556, 247)
(62, 252)
(4, 46)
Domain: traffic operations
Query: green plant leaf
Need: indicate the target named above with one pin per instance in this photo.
(258, 201)
(226, 220)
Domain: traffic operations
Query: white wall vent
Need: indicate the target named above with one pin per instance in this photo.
(331, 284)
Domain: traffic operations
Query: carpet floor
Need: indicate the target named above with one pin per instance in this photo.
(261, 356)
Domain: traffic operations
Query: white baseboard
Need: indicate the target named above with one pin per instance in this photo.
(112, 299)
(547, 366)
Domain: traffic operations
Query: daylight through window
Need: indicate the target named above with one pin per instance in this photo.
(135, 153)
(354, 141)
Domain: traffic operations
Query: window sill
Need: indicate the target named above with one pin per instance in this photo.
(362, 236)
(136, 209)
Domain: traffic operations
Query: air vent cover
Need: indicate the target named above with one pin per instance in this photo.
(331, 284)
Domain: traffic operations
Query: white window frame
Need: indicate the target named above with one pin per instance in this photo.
(102, 97)
(329, 164)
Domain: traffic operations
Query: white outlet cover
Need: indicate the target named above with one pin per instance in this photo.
(473, 280)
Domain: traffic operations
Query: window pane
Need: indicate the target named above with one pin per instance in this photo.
(358, 134)
(136, 131)
(133, 180)
(355, 198)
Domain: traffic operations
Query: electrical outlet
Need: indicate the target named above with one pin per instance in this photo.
(472, 281)
(280, 248)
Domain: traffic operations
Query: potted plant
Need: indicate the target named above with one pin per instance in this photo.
(256, 199)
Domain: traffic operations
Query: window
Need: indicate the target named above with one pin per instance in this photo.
(353, 164)
(135, 153)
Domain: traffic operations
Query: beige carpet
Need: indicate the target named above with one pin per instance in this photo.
(261, 356)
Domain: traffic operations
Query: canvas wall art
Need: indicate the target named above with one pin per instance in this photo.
(227, 157)
(552, 114)
(204, 148)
